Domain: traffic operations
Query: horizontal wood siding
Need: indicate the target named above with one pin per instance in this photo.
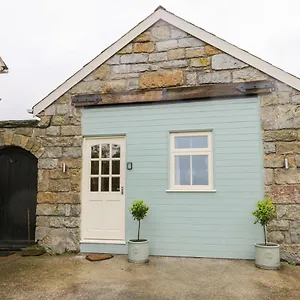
(216, 224)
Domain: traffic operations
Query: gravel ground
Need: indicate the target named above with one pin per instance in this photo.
(67, 277)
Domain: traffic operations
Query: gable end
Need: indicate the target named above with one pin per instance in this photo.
(241, 57)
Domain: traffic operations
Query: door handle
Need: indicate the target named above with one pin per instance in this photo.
(122, 190)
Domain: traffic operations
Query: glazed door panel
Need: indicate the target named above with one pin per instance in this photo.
(103, 194)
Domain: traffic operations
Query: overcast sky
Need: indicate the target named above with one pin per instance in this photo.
(43, 42)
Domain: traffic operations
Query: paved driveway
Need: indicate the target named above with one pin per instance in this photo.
(69, 277)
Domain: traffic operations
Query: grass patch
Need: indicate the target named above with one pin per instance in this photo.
(34, 250)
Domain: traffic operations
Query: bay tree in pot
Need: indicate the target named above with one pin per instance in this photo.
(138, 249)
(267, 255)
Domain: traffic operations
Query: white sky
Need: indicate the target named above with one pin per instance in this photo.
(43, 42)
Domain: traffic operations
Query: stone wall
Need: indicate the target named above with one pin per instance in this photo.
(54, 140)
(164, 56)
(280, 114)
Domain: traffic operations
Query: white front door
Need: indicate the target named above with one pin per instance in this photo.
(103, 195)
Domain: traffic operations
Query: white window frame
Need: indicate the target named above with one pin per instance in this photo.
(191, 151)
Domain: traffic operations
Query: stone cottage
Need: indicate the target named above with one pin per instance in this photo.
(171, 114)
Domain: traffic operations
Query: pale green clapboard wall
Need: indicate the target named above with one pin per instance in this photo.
(216, 224)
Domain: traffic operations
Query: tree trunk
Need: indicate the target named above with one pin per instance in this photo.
(139, 230)
(265, 234)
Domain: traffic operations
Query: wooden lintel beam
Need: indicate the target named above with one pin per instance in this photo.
(176, 93)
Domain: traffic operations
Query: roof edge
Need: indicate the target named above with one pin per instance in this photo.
(96, 62)
(3, 66)
(161, 14)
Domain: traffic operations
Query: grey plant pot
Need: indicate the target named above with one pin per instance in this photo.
(267, 256)
(138, 251)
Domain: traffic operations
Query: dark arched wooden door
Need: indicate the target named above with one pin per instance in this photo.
(18, 197)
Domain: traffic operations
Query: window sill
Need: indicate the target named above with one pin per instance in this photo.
(191, 191)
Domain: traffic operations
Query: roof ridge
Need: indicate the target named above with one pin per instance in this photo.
(160, 7)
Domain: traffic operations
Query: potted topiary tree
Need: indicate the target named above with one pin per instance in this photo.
(267, 255)
(138, 249)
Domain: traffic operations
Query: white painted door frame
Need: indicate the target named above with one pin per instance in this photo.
(103, 190)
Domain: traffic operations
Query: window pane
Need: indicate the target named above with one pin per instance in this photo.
(182, 170)
(95, 151)
(104, 184)
(115, 182)
(105, 167)
(199, 141)
(116, 151)
(115, 167)
(94, 167)
(105, 150)
(94, 187)
(182, 142)
(200, 169)
(191, 142)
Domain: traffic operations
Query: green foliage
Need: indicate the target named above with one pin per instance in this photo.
(139, 209)
(265, 212)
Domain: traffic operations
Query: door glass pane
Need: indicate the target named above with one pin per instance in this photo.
(199, 141)
(105, 167)
(94, 167)
(104, 184)
(94, 186)
(115, 184)
(116, 151)
(95, 151)
(182, 142)
(105, 150)
(115, 167)
(200, 169)
(182, 170)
